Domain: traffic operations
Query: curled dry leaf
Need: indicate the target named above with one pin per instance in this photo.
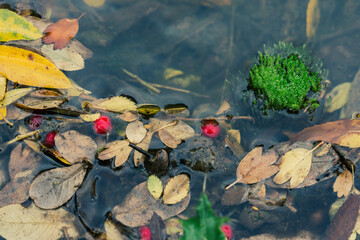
(74, 146)
(116, 104)
(119, 149)
(53, 188)
(176, 189)
(294, 165)
(135, 132)
(344, 183)
(342, 132)
(155, 186)
(40, 103)
(256, 166)
(138, 207)
(32, 223)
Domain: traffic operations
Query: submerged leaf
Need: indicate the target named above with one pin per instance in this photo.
(176, 189)
(344, 183)
(29, 68)
(312, 18)
(116, 104)
(338, 97)
(53, 188)
(64, 59)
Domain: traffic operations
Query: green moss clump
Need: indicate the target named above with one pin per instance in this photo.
(283, 81)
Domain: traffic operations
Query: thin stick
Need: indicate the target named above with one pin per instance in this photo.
(141, 81)
(7, 121)
(81, 15)
(204, 183)
(179, 90)
(23, 136)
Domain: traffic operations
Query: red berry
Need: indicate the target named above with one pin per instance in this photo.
(227, 230)
(49, 139)
(35, 121)
(145, 233)
(102, 125)
(210, 128)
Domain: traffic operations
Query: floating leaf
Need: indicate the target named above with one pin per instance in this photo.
(206, 225)
(64, 59)
(2, 87)
(3, 113)
(157, 227)
(116, 104)
(344, 183)
(90, 117)
(170, 73)
(312, 18)
(40, 103)
(178, 110)
(61, 32)
(294, 165)
(15, 27)
(144, 145)
(113, 231)
(256, 166)
(119, 149)
(129, 116)
(338, 97)
(139, 206)
(74, 146)
(94, 3)
(148, 109)
(168, 139)
(135, 132)
(29, 68)
(342, 132)
(32, 223)
(53, 188)
(155, 186)
(13, 95)
(178, 129)
(176, 189)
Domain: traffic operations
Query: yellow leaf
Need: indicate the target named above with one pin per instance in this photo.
(312, 18)
(351, 140)
(3, 113)
(14, 95)
(294, 165)
(29, 68)
(113, 230)
(155, 186)
(176, 189)
(338, 97)
(90, 117)
(2, 87)
(15, 27)
(116, 104)
(344, 183)
(94, 3)
(170, 73)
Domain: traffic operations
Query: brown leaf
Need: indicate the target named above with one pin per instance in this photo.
(139, 206)
(61, 32)
(256, 166)
(138, 156)
(53, 188)
(40, 103)
(342, 132)
(344, 183)
(74, 146)
(119, 149)
(168, 139)
(135, 132)
(176, 189)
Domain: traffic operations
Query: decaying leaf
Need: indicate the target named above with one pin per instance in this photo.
(312, 18)
(155, 186)
(177, 129)
(61, 32)
(13, 95)
(116, 104)
(342, 132)
(113, 232)
(32, 223)
(119, 149)
(168, 139)
(176, 189)
(225, 106)
(40, 103)
(74, 146)
(53, 188)
(3, 82)
(139, 206)
(135, 132)
(233, 140)
(344, 183)
(29, 68)
(138, 156)
(129, 116)
(294, 165)
(256, 166)
(173, 226)
(65, 59)
(338, 97)
(90, 117)
(15, 27)
(157, 227)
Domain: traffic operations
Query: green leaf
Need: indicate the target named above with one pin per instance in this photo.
(15, 27)
(206, 225)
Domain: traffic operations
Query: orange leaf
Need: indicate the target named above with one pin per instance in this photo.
(61, 32)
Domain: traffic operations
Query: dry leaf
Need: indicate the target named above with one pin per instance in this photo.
(90, 117)
(74, 146)
(113, 232)
(233, 140)
(33, 223)
(129, 116)
(225, 106)
(294, 165)
(177, 129)
(61, 32)
(45, 93)
(135, 132)
(256, 166)
(116, 104)
(138, 156)
(338, 97)
(94, 3)
(342, 132)
(65, 59)
(324, 149)
(53, 188)
(138, 207)
(40, 103)
(13, 95)
(176, 189)
(312, 18)
(3, 83)
(3, 113)
(119, 149)
(168, 139)
(155, 186)
(344, 183)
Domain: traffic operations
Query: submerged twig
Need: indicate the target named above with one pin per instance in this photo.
(179, 90)
(23, 136)
(141, 81)
(223, 118)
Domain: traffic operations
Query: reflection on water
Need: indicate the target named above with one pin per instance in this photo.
(210, 45)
